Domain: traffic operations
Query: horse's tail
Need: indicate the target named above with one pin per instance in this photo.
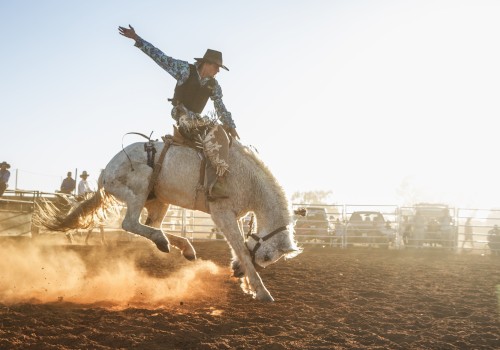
(84, 215)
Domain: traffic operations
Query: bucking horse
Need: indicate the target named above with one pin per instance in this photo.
(129, 179)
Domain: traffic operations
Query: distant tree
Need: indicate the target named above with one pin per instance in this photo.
(408, 193)
(313, 197)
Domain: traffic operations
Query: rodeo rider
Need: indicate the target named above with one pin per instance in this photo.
(195, 85)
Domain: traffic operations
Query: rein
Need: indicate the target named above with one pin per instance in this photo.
(259, 239)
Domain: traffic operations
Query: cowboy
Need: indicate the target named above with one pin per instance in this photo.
(83, 185)
(68, 184)
(4, 176)
(494, 240)
(195, 85)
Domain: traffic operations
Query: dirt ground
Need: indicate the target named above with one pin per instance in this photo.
(326, 298)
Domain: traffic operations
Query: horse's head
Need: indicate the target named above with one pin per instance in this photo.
(268, 247)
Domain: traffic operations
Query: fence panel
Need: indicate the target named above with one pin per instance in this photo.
(345, 225)
(483, 234)
(16, 208)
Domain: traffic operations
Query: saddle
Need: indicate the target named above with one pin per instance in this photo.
(178, 139)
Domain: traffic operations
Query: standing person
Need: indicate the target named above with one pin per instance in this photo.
(468, 233)
(83, 185)
(195, 85)
(83, 189)
(4, 176)
(448, 235)
(407, 228)
(68, 184)
(494, 240)
(418, 234)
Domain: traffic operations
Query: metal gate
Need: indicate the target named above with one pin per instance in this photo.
(16, 208)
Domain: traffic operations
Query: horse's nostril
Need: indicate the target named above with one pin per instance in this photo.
(267, 258)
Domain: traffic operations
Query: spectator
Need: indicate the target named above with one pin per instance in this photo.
(83, 189)
(494, 240)
(217, 232)
(418, 233)
(446, 231)
(339, 232)
(68, 184)
(4, 176)
(468, 233)
(445, 221)
(407, 229)
(83, 185)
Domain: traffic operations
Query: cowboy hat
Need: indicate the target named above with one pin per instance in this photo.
(7, 165)
(212, 56)
(84, 174)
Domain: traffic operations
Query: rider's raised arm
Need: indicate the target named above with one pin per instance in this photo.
(178, 69)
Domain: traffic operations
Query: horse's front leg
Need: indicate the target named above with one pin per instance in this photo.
(229, 226)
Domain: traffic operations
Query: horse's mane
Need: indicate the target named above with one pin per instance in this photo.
(249, 155)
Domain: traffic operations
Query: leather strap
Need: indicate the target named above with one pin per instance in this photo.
(158, 165)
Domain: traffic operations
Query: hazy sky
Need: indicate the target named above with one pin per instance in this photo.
(368, 99)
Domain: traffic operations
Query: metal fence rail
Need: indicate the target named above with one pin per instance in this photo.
(199, 226)
(381, 226)
(16, 208)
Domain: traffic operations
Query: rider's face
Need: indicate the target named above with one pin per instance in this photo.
(209, 70)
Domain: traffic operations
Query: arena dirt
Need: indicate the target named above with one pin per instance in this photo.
(131, 296)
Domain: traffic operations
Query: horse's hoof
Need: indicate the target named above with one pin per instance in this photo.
(238, 274)
(265, 297)
(161, 241)
(189, 255)
(163, 246)
(237, 270)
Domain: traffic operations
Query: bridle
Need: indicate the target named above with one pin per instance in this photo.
(259, 239)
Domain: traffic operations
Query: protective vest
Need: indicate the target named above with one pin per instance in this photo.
(191, 94)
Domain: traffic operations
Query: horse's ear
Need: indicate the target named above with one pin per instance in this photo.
(300, 211)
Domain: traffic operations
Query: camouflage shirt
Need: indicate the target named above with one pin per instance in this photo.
(179, 70)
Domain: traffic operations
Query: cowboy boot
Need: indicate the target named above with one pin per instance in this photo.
(216, 185)
(218, 189)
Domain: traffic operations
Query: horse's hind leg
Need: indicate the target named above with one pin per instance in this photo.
(156, 213)
(131, 224)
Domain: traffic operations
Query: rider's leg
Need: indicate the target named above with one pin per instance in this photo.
(216, 145)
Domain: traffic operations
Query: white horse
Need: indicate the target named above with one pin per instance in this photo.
(251, 185)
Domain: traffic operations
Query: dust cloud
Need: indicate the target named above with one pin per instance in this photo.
(116, 279)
